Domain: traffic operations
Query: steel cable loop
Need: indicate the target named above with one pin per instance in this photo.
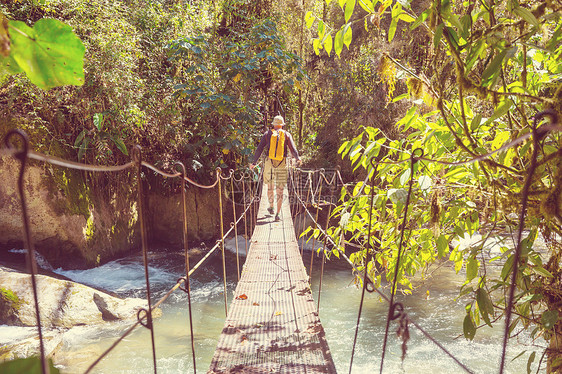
(228, 176)
(538, 134)
(148, 323)
(329, 183)
(366, 270)
(22, 156)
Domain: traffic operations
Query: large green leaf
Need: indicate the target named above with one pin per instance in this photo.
(549, 319)
(493, 69)
(484, 304)
(347, 35)
(328, 44)
(471, 268)
(349, 7)
(338, 43)
(49, 53)
(468, 327)
(30, 365)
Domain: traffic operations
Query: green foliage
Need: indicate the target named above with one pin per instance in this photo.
(100, 139)
(492, 69)
(30, 365)
(9, 296)
(49, 53)
(221, 82)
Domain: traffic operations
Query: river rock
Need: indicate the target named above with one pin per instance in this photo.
(62, 303)
(29, 345)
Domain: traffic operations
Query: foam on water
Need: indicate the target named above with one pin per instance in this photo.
(439, 313)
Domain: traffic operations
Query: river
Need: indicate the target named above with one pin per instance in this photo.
(432, 305)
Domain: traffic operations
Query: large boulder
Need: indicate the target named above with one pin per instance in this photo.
(62, 303)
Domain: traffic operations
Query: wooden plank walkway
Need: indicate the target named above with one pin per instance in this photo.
(272, 324)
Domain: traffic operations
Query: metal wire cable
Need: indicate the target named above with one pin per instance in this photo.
(137, 157)
(22, 156)
(165, 297)
(187, 288)
(386, 298)
(397, 268)
(537, 136)
(366, 270)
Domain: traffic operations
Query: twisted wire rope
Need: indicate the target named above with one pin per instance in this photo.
(383, 295)
(143, 314)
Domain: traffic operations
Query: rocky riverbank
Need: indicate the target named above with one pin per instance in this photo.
(64, 305)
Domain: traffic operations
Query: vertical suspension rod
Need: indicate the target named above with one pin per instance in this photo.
(235, 225)
(137, 156)
(30, 255)
(222, 241)
(185, 246)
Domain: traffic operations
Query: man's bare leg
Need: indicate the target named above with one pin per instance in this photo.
(279, 199)
(270, 188)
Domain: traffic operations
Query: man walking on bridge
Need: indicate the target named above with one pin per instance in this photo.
(276, 141)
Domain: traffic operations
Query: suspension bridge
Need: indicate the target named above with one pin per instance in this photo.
(272, 325)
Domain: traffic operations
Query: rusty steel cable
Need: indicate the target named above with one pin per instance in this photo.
(187, 288)
(315, 227)
(164, 298)
(329, 183)
(308, 179)
(222, 242)
(366, 270)
(28, 242)
(413, 160)
(235, 226)
(387, 299)
(137, 157)
(538, 134)
(245, 218)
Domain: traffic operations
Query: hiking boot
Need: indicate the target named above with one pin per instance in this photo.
(270, 210)
(277, 217)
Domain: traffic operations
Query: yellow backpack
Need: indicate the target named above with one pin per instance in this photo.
(277, 145)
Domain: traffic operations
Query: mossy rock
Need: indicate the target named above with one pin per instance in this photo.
(10, 303)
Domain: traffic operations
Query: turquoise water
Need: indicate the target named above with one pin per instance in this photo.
(437, 311)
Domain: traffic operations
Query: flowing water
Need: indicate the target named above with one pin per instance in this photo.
(432, 305)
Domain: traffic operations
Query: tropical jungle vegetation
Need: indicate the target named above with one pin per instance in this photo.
(439, 97)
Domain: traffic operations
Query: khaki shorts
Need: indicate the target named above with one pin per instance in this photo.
(275, 174)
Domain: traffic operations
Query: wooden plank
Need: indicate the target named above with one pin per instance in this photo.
(272, 324)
